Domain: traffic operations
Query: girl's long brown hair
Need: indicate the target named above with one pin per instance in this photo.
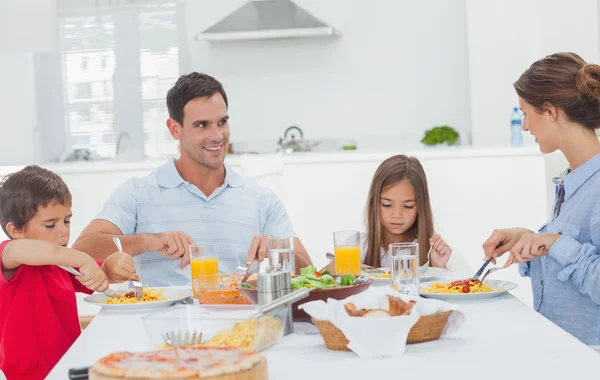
(392, 171)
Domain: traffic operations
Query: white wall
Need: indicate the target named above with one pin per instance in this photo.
(398, 68)
(505, 38)
(28, 26)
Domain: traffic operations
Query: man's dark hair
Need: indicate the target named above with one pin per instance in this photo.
(188, 87)
(23, 192)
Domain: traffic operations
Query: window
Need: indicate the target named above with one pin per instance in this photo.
(83, 90)
(107, 89)
(108, 138)
(81, 140)
(160, 69)
(84, 115)
(98, 93)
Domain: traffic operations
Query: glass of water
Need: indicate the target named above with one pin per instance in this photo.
(405, 268)
(280, 252)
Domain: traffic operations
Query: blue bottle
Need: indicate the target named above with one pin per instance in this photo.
(516, 122)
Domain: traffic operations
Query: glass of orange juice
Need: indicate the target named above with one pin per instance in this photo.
(204, 261)
(346, 245)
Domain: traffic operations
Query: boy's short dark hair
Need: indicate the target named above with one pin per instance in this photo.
(23, 192)
(191, 86)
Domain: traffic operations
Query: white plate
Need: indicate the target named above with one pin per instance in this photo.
(173, 294)
(501, 286)
(431, 273)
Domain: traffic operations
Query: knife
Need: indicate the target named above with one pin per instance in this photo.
(108, 292)
(480, 271)
(254, 266)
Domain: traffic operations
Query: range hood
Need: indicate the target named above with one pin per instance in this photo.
(267, 19)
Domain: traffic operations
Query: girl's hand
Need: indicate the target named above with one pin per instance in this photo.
(440, 252)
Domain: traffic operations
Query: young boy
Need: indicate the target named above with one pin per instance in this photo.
(38, 308)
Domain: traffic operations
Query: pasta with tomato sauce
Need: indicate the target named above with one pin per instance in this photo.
(460, 286)
(148, 295)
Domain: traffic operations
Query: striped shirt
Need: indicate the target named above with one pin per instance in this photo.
(163, 201)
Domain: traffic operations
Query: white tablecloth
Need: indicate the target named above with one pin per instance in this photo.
(501, 339)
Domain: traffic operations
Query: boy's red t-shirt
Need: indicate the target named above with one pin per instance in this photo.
(38, 319)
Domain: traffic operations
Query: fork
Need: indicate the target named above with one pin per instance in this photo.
(138, 289)
(425, 266)
(490, 271)
(241, 269)
(179, 338)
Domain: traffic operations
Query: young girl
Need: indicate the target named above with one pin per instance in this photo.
(398, 210)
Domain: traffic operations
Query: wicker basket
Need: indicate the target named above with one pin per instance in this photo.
(429, 327)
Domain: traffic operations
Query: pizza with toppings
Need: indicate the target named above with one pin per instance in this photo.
(181, 362)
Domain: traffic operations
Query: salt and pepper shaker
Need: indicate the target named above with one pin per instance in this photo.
(273, 284)
(269, 286)
(286, 282)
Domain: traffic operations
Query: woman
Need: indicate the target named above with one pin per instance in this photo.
(560, 99)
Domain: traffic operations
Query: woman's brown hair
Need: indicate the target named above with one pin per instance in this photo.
(565, 81)
(392, 171)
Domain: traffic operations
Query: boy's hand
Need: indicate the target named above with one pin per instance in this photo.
(93, 277)
(119, 267)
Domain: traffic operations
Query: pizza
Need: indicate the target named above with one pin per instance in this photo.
(174, 363)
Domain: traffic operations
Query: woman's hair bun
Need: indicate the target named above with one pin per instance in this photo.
(588, 81)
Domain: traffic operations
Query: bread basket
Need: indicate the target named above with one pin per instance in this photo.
(427, 328)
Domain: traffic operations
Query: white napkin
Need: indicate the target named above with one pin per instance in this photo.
(372, 337)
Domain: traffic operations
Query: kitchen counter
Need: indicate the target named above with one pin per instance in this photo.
(500, 339)
(294, 158)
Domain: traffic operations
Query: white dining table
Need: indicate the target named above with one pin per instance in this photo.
(501, 338)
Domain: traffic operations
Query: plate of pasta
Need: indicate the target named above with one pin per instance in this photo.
(463, 289)
(153, 298)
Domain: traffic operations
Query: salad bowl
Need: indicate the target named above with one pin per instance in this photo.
(323, 286)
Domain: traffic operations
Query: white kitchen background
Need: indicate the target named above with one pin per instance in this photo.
(93, 74)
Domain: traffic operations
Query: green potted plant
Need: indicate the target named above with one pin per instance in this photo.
(443, 134)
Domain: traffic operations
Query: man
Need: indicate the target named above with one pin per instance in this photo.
(196, 198)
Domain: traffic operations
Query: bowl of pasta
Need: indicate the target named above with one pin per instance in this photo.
(245, 329)
(152, 298)
(465, 289)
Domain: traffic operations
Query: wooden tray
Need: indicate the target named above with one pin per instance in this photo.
(258, 372)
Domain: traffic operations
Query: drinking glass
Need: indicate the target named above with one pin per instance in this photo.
(347, 252)
(280, 252)
(204, 261)
(405, 268)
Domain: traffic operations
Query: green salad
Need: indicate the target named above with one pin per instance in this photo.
(311, 278)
